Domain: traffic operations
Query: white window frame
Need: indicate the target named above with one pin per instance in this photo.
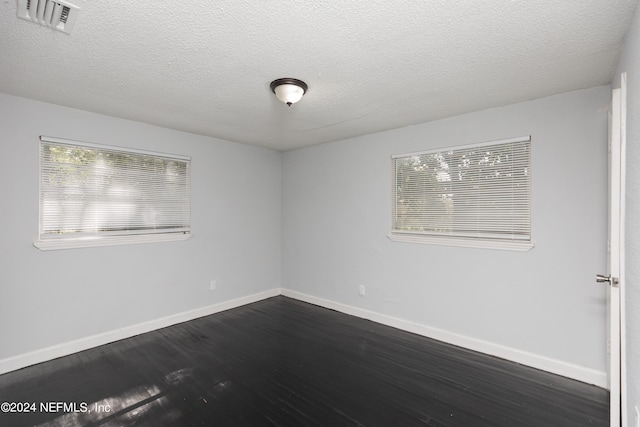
(66, 242)
(437, 238)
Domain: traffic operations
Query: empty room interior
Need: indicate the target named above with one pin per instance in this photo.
(320, 213)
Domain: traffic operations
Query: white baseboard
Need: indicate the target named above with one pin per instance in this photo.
(64, 349)
(580, 373)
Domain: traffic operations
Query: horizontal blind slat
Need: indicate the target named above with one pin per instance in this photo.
(465, 191)
(93, 190)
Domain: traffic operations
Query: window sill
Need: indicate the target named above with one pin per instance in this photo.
(57, 244)
(461, 242)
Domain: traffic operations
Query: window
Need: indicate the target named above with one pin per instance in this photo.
(478, 196)
(93, 195)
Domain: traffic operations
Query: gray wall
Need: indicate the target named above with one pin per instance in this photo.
(630, 62)
(48, 298)
(329, 213)
(337, 213)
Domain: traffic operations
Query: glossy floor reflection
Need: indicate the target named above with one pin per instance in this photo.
(281, 362)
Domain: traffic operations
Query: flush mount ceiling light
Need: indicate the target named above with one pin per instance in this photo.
(289, 90)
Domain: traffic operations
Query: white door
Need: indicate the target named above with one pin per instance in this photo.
(615, 279)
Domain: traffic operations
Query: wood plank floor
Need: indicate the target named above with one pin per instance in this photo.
(282, 362)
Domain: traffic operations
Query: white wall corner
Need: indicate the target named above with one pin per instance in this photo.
(580, 373)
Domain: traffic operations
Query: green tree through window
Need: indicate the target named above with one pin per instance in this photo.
(472, 192)
(93, 191)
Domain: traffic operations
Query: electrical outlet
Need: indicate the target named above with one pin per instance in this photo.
(361, 290)
(212, 285)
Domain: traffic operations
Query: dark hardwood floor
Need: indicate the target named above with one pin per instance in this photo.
(281, 362)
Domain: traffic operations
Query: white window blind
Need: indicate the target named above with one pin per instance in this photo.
(94, 191)
(472, 192)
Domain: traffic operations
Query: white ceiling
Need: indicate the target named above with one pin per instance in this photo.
(371, 65)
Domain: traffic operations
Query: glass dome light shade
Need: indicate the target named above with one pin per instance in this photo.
(289, 91)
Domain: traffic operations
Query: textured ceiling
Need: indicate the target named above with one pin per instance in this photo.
(205, 67)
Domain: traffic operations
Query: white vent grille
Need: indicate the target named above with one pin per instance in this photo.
(58, 14)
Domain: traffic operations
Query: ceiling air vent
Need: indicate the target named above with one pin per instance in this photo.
(58, 14)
